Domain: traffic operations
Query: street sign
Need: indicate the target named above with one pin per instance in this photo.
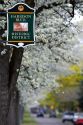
(20, 25)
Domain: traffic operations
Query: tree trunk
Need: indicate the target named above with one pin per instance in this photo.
(4, 78)
(9, 96)
(13, 92)
(10, 61)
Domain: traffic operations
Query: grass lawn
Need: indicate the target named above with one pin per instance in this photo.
(28, 120)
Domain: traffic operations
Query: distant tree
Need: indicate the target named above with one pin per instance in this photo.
(51, 99)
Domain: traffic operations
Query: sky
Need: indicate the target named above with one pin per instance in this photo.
(78, 23)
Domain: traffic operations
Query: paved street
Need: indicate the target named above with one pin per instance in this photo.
(50, 121)
(47, 121)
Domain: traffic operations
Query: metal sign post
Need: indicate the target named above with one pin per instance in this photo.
(20, 25)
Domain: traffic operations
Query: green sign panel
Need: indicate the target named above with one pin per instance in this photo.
(21, 25)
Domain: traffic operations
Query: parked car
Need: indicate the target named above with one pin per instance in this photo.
(75, 117)
(52, 114)
(78, 119)
(33, 110)
(40, 113)
(68, 116)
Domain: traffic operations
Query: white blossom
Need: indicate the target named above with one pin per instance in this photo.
(54, 50)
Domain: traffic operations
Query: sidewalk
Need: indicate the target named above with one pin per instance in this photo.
(28, 119)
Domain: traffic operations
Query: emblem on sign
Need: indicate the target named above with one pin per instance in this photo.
(20, 25)
(20, 7)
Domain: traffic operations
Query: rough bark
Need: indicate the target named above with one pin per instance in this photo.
(4, 78)
(9, 96)
(13, 92)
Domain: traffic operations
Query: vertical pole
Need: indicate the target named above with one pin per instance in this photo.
(73, 4)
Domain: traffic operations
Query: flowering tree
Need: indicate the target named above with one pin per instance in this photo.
(53, 53)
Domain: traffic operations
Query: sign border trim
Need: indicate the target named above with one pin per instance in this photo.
(33, 26)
